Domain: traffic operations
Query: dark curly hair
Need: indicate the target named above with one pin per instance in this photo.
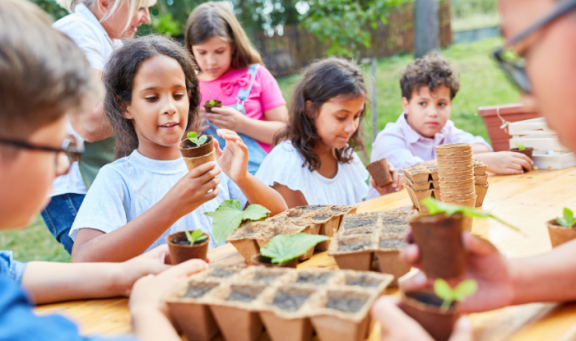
(322, 81)
(432, 71)
(119, 81)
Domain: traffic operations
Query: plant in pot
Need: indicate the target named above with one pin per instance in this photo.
(438, 236)
(197, 150)
(520, 148)
(437, 312)
(185, 245)
(213, 103)
(562, 229)
(284, 249)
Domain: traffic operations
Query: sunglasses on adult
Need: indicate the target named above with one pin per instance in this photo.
(513, 65)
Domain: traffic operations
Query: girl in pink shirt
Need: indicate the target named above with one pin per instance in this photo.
(232, 71)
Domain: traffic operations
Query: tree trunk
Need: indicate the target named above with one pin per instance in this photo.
(426, 28)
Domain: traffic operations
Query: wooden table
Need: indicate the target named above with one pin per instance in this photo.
(526, 200)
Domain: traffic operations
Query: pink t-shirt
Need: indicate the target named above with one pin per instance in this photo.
(264, 95)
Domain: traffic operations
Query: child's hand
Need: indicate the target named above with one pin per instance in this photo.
(196, 187)
(505, 162)
(234, 158)
(151, 263)
(396, 185)
(200, 125)
(227, 118)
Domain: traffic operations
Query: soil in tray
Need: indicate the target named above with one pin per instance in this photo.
(311, 207)
(321, 217)
(265, 278)
(394, 221)
(320, 278)
(182, 240)
(347, 305)
(392, 244)
(236, 295)
(339, 210)
(221, 273)
(363, 281)
(196, 292)
(428, 299)
(355, 223)
(288, 302)
(354, 246)
(396, 229)
(246, 235)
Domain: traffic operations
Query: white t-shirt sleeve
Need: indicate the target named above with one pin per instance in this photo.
(88, 39)
(105, 205)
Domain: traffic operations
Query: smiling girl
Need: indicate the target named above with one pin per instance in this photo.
(317, 165)
(151, 96)
(232, 71)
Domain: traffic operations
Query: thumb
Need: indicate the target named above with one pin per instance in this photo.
(185, 269)
(217, 148)
(462, 330)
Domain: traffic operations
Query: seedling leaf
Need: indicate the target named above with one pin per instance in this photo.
(449, 295)
(212, 102)
(435, 207)
(198, 141)
(568, 219)
(520, 146)
(285, 247)
(229, 215)
(195, 236)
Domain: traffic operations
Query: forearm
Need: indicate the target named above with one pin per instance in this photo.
(50, 282)
(92, 126)
(549, 277)
(150, 324)
(258, 193)
(263, 131)
(479, 148)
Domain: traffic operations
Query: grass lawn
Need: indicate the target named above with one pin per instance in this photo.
(482, 84)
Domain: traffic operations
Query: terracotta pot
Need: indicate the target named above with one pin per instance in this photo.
(260, 260)
(527, 151)
(180, 253)
(380, 172)
(559, 234)
(437, 323)
(512, 113)
(197, 156)
(440, 241)
(209, 107)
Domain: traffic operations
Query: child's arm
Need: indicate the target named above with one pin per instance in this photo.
(396, 185)
(234, 162)
(49, 282)
(135, 237)
(292, 198)
(505, 162)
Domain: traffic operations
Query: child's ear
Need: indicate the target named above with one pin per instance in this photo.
(307, 106)
(406, 105)
(126, 112)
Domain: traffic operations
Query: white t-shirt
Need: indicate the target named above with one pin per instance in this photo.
(128, 187)
(284, 166)
(87, 32)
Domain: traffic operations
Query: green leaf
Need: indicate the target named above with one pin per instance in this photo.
(229, 215)
(465, 289)
(192, 134)
(212, 102)
(568, 219)
(519, 145)
(443, 290)
(285, 247)
(202, 140)
(195, 236)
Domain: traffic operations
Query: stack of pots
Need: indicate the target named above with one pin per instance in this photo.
(456, 173)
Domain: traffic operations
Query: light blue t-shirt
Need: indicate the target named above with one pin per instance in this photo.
(128, 187)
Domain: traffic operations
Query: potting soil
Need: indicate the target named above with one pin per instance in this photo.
(221, 272)
(196, 292)
(184, 241)
(236, 295)
(347, 305)
(289, 302)
(266, 278)
(428, 299)
(394, 221)
(354, 246)
(363, 281)
(392, 243)
(355, 223)
(313, 278)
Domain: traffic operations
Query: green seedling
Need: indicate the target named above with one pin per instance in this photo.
(436, 207)
(198, 141)
(212, 102)
(285, 247)
(229, 215)
(520, 146)
(443, 290)
(568, 219)
(195, 236)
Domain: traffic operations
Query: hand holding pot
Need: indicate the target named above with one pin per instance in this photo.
(396, 325)
(227, 118)
(507, 163)
(151, 263)
(396, 185)
(490, 269)
(234, 158)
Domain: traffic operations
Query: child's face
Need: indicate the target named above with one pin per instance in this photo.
(427, 112)
(159, 107)
(214, 57)
(338, 119)
(26, 179)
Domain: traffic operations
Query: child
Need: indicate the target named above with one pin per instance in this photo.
(44, 76)
(317, 164)
(232, 71)
(428, 87)
(151, 95)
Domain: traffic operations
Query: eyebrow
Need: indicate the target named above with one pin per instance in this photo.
(154, 88)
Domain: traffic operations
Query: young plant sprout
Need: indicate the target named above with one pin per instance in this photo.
(195, 236)
(198, 141)
(229, 215)
(443, 290)
(520, 146)
(435, 207)
(568, 219)
(285, 247)
(212, 102)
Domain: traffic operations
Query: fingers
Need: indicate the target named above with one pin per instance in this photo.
(185, 269)
(210, 185)
(478, 246)
(196, 172)
(217, 149)
(159, 253)
(410, 254)
(228, 135)
(372, 182)
(394, 177)
(414, 282)
(400, 182)
(462, 330)
(396, 325)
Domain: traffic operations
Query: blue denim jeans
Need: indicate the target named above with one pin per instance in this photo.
(59, 216)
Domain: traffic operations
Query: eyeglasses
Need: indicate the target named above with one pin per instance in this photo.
(72, 151)
(513, 65)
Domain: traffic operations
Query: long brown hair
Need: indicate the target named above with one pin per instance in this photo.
(323, 80)
(216, 19)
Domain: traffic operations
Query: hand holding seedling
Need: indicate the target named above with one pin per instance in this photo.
(198, 141)
(568, 219)
(506, 162)
(227, 118)
(459, 293)
(234, 158)
(195, 236)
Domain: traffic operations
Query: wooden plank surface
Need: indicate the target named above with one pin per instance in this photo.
(526, 200)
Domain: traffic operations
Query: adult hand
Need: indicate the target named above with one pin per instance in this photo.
(490, 269)
(234, 158)
(227, 118)
(397, 326)
(396, 185)
(506, 163)
(151, 263)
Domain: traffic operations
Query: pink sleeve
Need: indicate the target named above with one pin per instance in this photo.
(271, 96)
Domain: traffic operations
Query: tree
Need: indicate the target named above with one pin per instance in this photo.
(426, 28)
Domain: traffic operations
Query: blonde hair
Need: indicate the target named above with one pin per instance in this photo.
(216, 19)
(70, 6)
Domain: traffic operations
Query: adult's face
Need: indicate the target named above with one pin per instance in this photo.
(115, 25)
(550, 62)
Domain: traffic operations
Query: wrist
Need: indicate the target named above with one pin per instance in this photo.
(244, 181)
(119, 279)
(519, 279)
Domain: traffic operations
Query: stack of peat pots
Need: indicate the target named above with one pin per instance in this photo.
(290, 304)
(422, 182)
(456, 174)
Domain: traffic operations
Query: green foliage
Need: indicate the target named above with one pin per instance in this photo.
(212, 102)
(195, 236)
(52, 8)
(229, 215)
(520, 146)
(436, 207)
(568, 219)
(165, 24)
(285, 247)
(342, 22)
(449, 295)
(198, 141)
